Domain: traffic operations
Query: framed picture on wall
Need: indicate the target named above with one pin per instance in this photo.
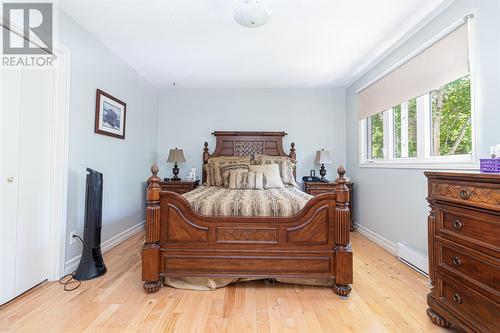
(110, 115)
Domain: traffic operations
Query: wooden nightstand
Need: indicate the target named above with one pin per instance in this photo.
(315, 188)
(179, 186)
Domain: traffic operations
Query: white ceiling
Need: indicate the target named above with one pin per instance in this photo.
(196, 43)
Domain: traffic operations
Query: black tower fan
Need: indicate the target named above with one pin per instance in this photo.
(91, 264)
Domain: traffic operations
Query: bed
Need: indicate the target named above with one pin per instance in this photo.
(312, 243)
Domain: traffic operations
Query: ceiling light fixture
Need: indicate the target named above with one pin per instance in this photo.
(252, 13)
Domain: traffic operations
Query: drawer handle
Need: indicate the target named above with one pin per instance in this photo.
(457, 299)
(457, 224)
(464, 194)
(456, 261)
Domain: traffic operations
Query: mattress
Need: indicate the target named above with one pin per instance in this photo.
(220, 201)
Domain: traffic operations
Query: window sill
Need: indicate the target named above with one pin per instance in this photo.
(420, 165)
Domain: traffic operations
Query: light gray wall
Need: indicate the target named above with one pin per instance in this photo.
(391, 202)
(124, 163)
(313, 119)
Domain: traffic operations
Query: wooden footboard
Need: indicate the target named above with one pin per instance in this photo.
(312, 244)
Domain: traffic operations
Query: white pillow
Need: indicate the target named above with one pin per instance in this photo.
(271, 173)
(241, 179)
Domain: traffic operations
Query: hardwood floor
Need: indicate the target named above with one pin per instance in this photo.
(387, 296)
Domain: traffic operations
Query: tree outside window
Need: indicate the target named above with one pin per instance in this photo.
(451, 118)
(412, 127)
(377, 136)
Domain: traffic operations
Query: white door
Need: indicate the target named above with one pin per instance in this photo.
(26, 97)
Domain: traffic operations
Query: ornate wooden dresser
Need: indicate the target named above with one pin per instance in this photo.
(464, 250)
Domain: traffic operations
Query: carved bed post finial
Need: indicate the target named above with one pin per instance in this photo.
(205, 153)
(343, 275)
(341, 172)
(206, 156)
(151, 248)
(154, 170)
(293, 156)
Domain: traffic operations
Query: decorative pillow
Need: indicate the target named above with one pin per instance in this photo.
(246, 180)
(214, 173)
(225, 169)
(233, 159)
(208, 180)
(285, 164)
(271, 173)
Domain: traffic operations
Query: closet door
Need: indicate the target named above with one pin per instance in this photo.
(10, 96)
(26, 105)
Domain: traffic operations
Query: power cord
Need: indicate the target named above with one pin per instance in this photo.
(80, 238)
(69, 279)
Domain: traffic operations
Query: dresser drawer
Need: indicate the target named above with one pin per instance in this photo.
(484, 195)
(466, 304)
(472, 265)
(476, 228)
(179, 187)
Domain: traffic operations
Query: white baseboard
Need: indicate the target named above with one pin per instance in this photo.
(376, 238)
(107, 245)
(405, 254)
(413, 258)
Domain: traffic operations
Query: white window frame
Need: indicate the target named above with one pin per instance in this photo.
(424, 159)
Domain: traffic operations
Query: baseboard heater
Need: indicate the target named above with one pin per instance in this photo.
(412, 258)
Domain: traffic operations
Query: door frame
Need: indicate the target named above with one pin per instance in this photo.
(59, 157)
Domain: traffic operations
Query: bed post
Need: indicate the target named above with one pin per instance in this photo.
(206, 156)
(343, 251)
(151, 248)
(292, 155)
(205, 153)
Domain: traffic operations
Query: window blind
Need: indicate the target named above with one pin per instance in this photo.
(444, 61)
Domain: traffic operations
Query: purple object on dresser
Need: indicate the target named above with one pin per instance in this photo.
(491, 165)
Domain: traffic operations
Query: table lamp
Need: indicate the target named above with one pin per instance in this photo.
(322, 157)
(176, 156)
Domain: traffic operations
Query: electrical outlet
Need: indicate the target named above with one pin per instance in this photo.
(72, 239)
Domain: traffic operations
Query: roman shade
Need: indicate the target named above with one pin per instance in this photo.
(444, 61)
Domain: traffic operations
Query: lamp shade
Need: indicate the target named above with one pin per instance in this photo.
(322, 157)
(176, 155)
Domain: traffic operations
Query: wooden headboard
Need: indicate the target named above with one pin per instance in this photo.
(242, 143)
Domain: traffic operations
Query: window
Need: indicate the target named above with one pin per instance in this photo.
(433, 128)
(405, 129)
(376, 135)
(451, 119)
(412, 127)
(396, 112)
(420, 111)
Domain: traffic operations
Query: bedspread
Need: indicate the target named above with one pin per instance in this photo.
(220, 201)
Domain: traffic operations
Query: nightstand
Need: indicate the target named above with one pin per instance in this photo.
(315, 188)
(179, 186)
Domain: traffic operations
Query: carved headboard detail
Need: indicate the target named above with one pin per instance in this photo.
(241, 143)
(244, 148)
